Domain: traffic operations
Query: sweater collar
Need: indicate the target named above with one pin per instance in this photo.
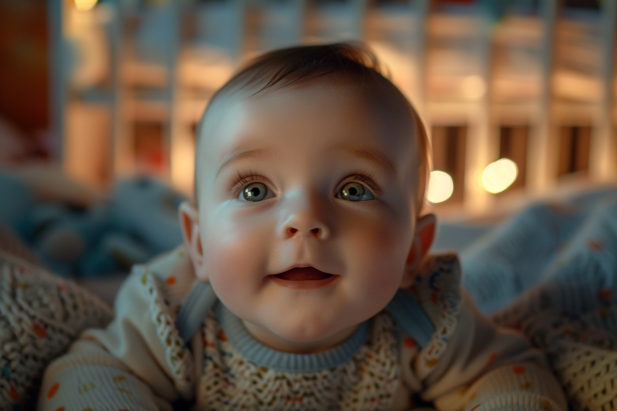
(257, 353)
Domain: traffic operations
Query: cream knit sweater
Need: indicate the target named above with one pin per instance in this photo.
(140, 362)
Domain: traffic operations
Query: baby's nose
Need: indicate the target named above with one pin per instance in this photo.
(320, 233)
(304, 217)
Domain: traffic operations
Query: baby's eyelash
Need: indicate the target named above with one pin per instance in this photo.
(243, 179)
(366, 178)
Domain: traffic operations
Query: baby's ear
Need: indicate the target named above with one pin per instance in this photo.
(189, 222)
(423, 239)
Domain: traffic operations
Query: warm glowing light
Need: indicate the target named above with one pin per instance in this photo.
(473, 87)
(499, 175)
(440, 187)
(85, 5)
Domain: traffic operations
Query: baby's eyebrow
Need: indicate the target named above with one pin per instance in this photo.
(259, 152)
(374, 156)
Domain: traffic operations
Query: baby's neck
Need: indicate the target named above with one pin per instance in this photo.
(269, 339)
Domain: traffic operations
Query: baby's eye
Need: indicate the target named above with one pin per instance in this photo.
(354, 191)
(255, 192)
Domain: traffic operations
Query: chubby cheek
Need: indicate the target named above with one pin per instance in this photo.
(379, 249)
(234, 255)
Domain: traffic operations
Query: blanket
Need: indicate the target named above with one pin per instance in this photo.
(40, 315)
(572, 240)
(135, 221)
(551, 272)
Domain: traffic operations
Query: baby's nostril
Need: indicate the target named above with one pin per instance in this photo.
(315, 231)
(293, 230)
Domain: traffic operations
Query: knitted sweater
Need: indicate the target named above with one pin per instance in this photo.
(456, 359)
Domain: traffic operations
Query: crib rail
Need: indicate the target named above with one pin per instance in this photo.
(528, 80)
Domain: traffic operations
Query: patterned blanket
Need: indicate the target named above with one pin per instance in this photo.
(551, 271)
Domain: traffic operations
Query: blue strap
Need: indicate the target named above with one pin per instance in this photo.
(411, 317)
(195, 309)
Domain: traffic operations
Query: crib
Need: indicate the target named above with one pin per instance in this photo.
(528, 81)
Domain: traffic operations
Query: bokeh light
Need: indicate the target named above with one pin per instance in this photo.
(473, 87)
(499, 175)
(85, 5)
(440, 187)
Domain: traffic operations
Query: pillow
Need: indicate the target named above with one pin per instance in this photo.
(40, 315)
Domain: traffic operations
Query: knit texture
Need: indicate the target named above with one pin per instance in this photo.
(366, 382)
(546, 243)
(576, 326)
(163, 316)
(438, 291)
(40, 315)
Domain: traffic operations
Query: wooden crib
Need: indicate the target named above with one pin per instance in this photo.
(531, 81)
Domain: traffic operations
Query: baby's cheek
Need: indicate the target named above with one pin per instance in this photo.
(382, 243)
(232, 257)
(380, 253)
(224, 251)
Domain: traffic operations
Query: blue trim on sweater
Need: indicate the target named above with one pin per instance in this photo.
(257, 353)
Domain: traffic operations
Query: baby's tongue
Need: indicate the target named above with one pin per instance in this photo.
(303, 274)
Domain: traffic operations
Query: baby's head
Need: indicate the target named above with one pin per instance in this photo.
(311, 169)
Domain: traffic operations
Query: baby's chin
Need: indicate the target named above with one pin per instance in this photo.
(301, 339)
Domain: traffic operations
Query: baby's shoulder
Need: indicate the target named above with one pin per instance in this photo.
(440, 277)
(437, 290)
(148, 304)
(171, 273)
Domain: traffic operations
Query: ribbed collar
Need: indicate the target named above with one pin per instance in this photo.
(260, 355)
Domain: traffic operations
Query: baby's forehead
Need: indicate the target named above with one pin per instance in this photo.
(382, 101)
(353, 120)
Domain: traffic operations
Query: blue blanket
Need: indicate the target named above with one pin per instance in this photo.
(572, 241)
(138, 220)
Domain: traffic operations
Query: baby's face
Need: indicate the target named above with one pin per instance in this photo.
(306, 210)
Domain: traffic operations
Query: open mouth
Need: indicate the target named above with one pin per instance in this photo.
(303, 274)
(304, 278)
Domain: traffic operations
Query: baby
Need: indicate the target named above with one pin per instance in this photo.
(304, 281)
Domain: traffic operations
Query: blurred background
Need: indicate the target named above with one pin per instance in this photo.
(518, 95)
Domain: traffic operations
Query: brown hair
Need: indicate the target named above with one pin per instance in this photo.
(342, 62)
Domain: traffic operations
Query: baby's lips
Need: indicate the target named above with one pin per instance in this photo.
(303, 274)
(302, 265)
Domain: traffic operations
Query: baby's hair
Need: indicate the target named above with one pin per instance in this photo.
(344, 63)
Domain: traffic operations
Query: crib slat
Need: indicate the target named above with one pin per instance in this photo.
(482, 144)
(542, 157)
(422, 15)
(58, 79)
(603, 145)
(121, 151)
